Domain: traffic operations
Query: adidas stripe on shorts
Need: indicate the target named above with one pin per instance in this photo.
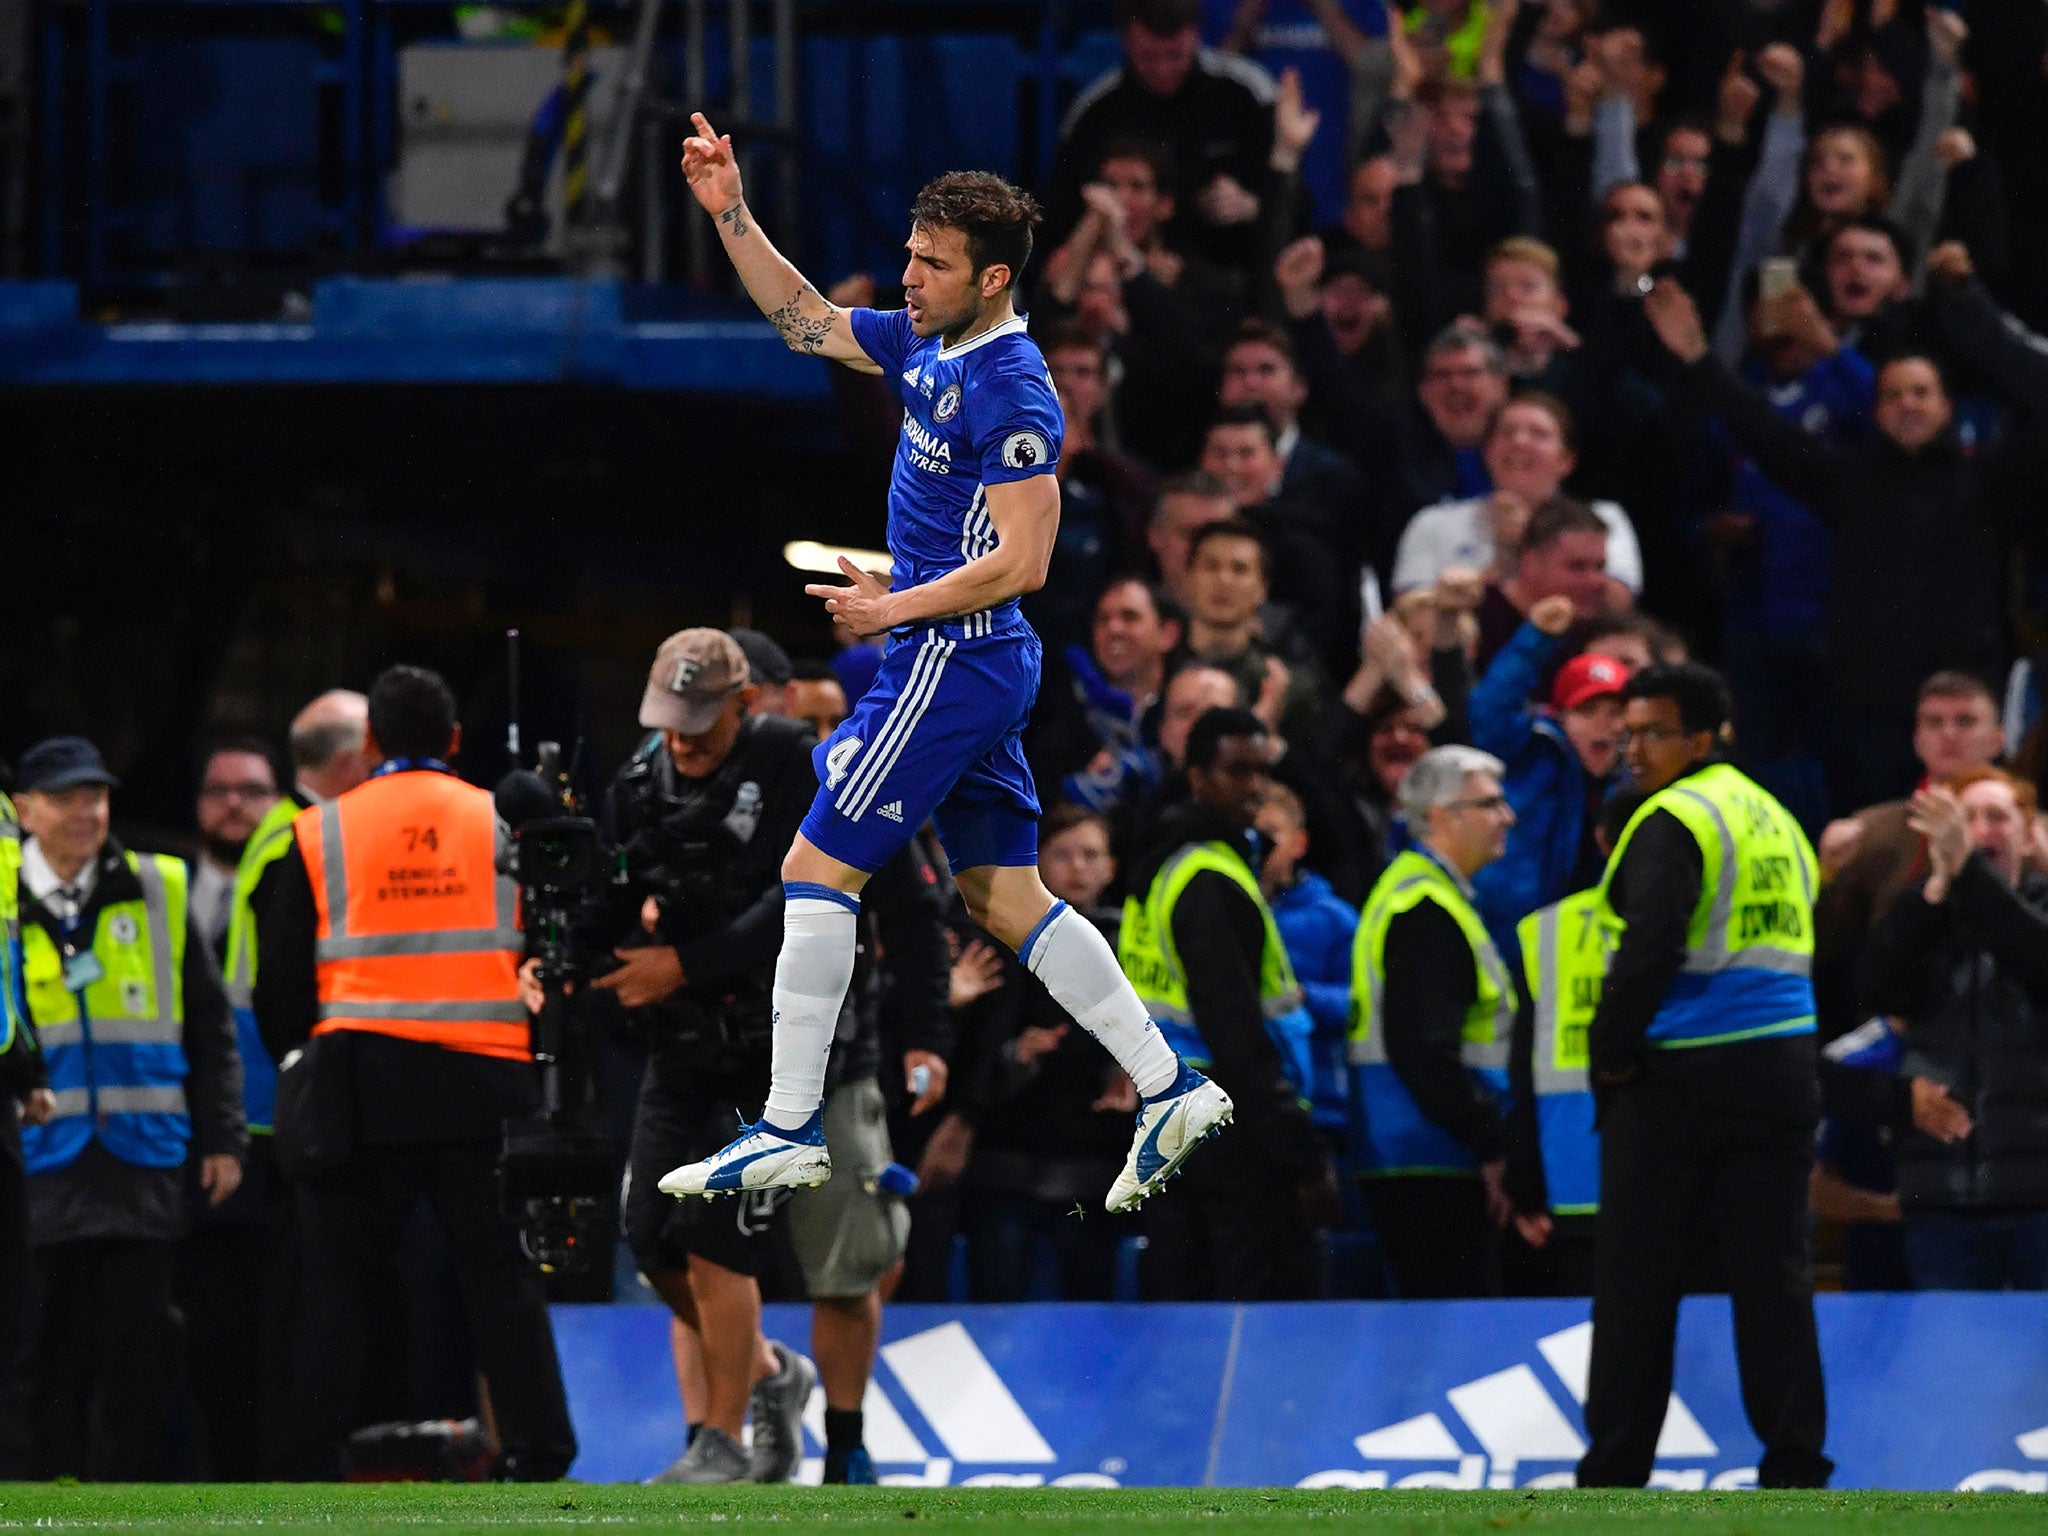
(939, 734)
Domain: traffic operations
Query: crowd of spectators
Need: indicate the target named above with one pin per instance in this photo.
(1425, 398)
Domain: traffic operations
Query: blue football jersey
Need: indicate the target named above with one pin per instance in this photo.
(980, 414)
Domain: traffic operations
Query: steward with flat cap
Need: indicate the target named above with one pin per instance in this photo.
(388, 976)
(140, 1048)
(1703, 1064)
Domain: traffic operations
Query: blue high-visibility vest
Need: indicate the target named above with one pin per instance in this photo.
(109, 1011)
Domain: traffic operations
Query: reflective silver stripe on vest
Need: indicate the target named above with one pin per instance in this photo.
(334, 874)
(436, 1013)
(1551, 1079)
(444, 941)
(1279, 1007)
(160, 1028)
(340, 945)
(1713, 954)
(72, 1102)
(106, 1032)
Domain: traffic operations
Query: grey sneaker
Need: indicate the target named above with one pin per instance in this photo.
(777, 1407)
(713, 1457)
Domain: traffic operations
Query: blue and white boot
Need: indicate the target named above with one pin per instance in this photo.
(762, 1156)
(1170, 1126)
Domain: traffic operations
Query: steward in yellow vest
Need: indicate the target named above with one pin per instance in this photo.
(1702, 1059)
(1432, 1006)
(1200, 947)
(127, 1004)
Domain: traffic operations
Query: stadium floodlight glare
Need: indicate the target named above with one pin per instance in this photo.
(809, 555)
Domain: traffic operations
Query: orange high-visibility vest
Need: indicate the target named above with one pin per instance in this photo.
(418, 933)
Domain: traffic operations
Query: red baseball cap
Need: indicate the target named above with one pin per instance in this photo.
(1585, 678)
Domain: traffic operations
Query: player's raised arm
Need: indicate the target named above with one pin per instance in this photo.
(805, 319)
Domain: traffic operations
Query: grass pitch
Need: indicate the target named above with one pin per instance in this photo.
(502, 1511)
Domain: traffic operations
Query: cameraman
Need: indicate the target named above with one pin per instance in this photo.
(702, 815)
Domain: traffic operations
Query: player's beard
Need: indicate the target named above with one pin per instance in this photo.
(950, 324)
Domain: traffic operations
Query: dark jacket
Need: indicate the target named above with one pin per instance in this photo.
(1970, 978)
(99, 1196)
(1920, 540)
(1432, 980)
(1221, 939)
(1220, 122)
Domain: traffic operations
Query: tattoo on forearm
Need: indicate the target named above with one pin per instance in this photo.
(736, 216)
(802, 332)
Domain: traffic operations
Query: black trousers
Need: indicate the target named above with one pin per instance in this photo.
(103, 1364)
(349, 1225)
(1716, 1142)
(1225, 1231)
(15, 1407)
(236, 1286)
(1435, 1235)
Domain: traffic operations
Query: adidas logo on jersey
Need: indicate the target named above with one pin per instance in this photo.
(893, 811)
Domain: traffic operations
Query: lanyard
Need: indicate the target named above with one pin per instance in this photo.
(410, 765)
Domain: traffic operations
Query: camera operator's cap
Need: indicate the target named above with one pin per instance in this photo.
(694, 673)
(1585, 678)
(768, 662)
(62, 762)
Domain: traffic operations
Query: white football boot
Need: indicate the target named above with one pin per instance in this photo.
(1170, 1127)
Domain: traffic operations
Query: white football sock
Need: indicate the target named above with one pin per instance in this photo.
(1079, 969)
(811, 977)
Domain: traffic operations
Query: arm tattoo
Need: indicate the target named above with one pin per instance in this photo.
(799, 331)
(736, 216)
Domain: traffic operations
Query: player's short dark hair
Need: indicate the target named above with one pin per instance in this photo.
(1557, 516)
(1700, 693)
(996, 218)
(1214, 726)
(1250, 414)
(1162, 18)
(412, 713)
(1154, 152)
(1252, 331)
(1234, 527)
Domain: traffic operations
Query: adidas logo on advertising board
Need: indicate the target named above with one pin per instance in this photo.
(970, 1419)
(1512, 1417)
